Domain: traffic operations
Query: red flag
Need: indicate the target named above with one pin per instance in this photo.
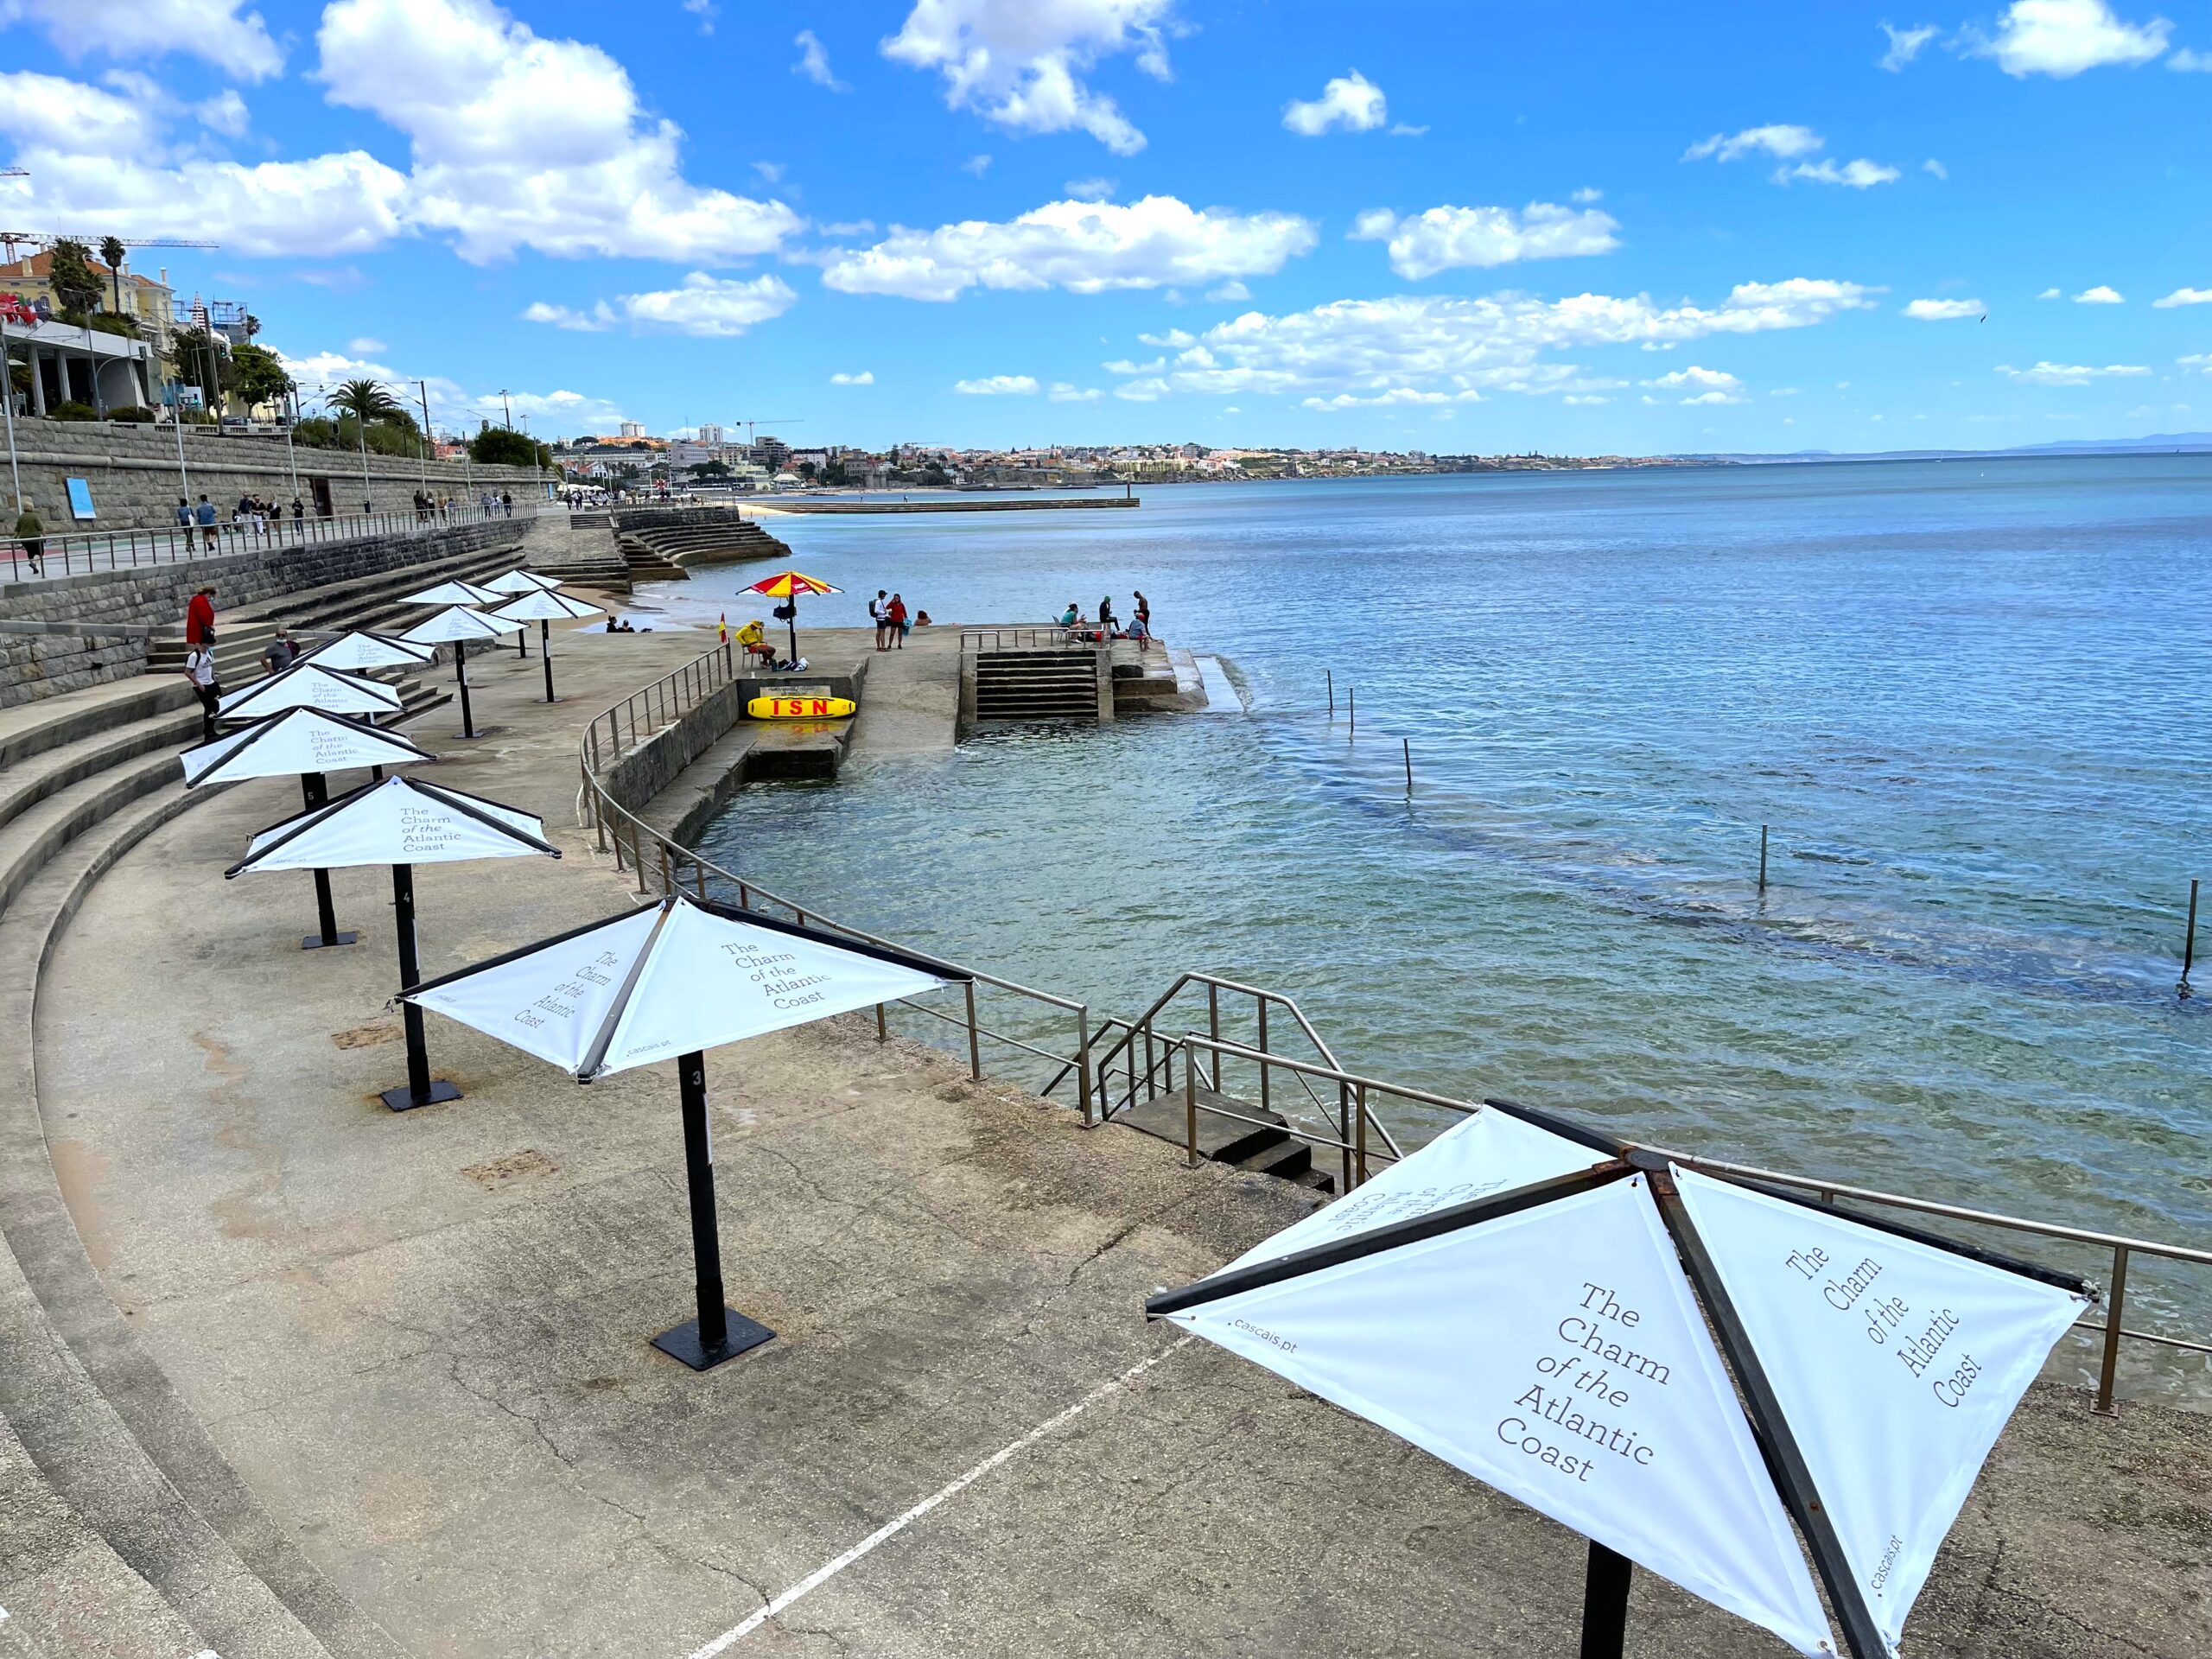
(724, 628)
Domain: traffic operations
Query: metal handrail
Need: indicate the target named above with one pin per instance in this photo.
(1038, 638)
(676, 694)
(77, 552)
(2122, 1247)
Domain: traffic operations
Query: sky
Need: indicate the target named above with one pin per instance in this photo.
(1455, 226)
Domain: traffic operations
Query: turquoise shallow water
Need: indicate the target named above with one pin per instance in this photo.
(1967, 696)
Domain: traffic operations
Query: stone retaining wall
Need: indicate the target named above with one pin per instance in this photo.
(135, 482)
(637, 777)
(42, 659)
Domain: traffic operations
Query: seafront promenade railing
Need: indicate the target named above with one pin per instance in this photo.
(1354, 1130)
(80, 552)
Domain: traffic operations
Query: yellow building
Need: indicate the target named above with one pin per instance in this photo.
(145, 302)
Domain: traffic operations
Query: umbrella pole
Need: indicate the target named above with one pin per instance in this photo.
(316, 791)
(546, 653)
(793, 626)
(1605, 1603)
(717, 1334)
(460, 678)
(421, 1089)
(522, 642)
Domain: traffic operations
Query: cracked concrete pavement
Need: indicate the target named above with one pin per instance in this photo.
(422, 1339)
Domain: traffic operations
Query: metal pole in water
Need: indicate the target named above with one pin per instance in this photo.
(2189, 938)
(1330, 673)
(1408, 743)
(1351, 708)
(1762, 858)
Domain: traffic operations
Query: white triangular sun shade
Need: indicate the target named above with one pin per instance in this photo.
(399, 821)
(665, 980)
(297, 741)
(1556, 1353)
(1490, 1151)
(311, 685)
(546, 607)
(454, 593)
(358, 649)
(1895, 1364)
(459, 623)
(522, 581)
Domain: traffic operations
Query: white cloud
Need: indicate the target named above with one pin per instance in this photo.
(1347, 103)
(1782, 141)
(1433, 343)
(1123, 365)
(2100, 294)
(520, 141)
(772, 172)
(1229, 293)
(1143, 391)
(2062, 38)
(1447, 239)
(2197, 361)
(865, 377)
(1063, 392)
(453, 405)
(2189, 58)
(1578, 399)
(1397, 397)
(336, 204)
(1935, 168)
(1587, 195)
(1861, 175)
(2183, 296)
(1090, 189)
(368, 346)
(1942, 310)
(2050, 294)
(704, 306)
(998, 385)
(212, 29)
(1085, 247)
(48, 110)
(1020, 63)
(814, 62)
(1905, 44)
(705, 12)
(1407, 130)
(2069, 374)
(1702, 386)
(975, 166)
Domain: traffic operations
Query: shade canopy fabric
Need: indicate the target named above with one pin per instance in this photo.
(545, 605)
(789, 584)
(522, 581)
(459, 622)
(455, 593)
(1553, 1341)
(399, 821)
(358, 649)
(673, 978)
(311, 685)
(301, 740)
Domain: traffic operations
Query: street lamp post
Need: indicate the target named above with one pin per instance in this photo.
(7, 407)
(423, 389)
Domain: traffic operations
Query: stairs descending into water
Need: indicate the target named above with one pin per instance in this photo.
(1039, 685)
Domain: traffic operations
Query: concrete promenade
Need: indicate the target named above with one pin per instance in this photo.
(420, 1341)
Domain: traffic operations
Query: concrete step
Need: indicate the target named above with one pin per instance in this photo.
(1222, 1139)
(40, 777)
(44, 828)
(25, 732)
(101, 1424)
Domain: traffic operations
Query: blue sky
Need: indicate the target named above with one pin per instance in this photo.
(1411, 224)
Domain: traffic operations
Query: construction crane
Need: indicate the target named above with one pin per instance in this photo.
(750, 425)
(36, 238)
(15, 172)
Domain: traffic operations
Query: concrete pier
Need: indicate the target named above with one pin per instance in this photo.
(399, 1363)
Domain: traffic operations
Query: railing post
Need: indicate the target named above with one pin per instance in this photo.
(975, 1048)
(638, 852)
(881, 1031)
(1190, 1116)
(1359, 1108)
(1150, 1063)
(1343, 1135)
(2115, 1307)
(667, 877)
(1264, 1077)
(1083, 1061)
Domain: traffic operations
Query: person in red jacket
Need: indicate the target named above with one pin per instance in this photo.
(199, 618)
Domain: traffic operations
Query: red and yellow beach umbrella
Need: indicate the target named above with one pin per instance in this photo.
(788, 585)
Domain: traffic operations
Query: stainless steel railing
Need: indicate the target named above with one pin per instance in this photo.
(1357, 1133)
(76, 553)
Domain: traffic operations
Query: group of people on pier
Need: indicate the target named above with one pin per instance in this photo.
(1106, 625)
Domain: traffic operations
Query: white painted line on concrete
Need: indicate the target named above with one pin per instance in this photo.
(829, 1570)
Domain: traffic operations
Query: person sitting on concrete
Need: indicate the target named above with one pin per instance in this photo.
(32, 535)
(282, 652)
(1071, 616)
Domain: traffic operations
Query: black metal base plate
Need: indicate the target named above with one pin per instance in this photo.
(400, 1101)
(683, 1342)
(317, 942)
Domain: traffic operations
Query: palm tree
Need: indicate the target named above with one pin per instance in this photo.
(113, 253)
(366, 401)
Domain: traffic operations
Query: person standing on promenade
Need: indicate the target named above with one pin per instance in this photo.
(282, 652)
(507, 503)
(875, 608)
(205, 513)
(199, 669)
(1143, 611)
(299, 520)
(894, 619)
(32, 535)
(184, 520)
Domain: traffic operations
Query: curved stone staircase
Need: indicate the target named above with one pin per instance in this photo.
(122, 1531)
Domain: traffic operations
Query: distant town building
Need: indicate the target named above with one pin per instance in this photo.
(709, 433)
(634, 430)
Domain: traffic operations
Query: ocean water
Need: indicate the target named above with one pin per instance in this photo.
(1967, 696)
